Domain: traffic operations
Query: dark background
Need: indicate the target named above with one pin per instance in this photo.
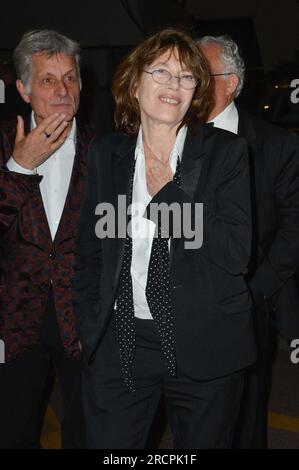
(267, 33)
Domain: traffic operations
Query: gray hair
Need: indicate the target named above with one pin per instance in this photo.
(44, 41)
(231, 56)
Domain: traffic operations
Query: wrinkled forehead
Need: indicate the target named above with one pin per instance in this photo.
(43, 61)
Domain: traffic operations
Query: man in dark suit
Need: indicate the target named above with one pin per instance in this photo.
(42, 177)
(156, 321)
(274, 162)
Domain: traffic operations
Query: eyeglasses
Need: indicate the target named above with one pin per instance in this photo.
(164, 77)
(219, 74)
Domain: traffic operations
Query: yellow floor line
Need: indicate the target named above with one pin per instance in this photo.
(283, 422)
(50, 438)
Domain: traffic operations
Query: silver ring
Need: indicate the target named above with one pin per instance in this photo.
(46, 134)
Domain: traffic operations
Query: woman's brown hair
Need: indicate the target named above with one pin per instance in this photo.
(128, 75)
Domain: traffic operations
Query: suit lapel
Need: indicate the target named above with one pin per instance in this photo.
(246, 130)
(122, 167)
(245, 127)
(192, 160)
(256, 162)
(192, 169)
(71, 212)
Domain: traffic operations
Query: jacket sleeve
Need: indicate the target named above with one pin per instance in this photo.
(88, 260)
(15, 189)
(282, 258)
(227, 216)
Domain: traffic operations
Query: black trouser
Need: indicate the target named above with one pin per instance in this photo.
(202, 413)
(251, 429)
(22, 387)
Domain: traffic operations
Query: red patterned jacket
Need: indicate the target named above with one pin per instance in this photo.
(29, 259)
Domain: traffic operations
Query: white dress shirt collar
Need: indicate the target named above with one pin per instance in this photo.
(228, 119)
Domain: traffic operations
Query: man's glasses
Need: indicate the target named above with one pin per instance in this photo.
(163, 77)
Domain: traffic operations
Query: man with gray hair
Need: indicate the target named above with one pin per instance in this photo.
(42, 179)
(274, 163)
(227, 69)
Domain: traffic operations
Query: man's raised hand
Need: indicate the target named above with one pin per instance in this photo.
(33, 149)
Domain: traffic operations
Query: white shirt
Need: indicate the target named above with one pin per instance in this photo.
(228, 119)
(142, 228)
(56, 172)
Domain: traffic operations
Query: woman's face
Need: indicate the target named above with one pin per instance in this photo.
(164, 103)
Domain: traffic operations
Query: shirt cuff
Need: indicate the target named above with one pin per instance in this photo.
(12, 165)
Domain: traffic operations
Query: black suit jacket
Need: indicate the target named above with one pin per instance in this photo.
(213, 324)
(274, 161)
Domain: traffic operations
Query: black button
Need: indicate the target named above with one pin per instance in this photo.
(52, 256)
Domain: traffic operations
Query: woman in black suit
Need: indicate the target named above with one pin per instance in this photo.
(162, 305)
